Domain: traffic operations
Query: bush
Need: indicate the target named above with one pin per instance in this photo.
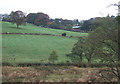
(53, 57)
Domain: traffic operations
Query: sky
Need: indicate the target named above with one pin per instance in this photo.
(66, 9)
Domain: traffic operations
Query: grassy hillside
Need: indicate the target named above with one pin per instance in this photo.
(29, 28)
(35, 48)
(30, 48)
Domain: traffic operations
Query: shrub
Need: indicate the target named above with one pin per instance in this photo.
(53, 57)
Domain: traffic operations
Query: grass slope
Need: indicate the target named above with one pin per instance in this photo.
(33, 48)
(30, 48)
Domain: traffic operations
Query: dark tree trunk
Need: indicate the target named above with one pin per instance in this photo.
(89, 59)
(80, 58)
(89, 63)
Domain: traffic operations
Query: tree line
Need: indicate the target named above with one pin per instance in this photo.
(43, 20)
(38, 19)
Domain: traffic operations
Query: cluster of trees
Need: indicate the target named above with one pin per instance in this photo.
(19, 18)
(93, 23)
(39, 19)
(43, 20)
(102, 43)
(62, 23)
(85, 25)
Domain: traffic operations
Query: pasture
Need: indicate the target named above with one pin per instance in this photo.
(35, 48)
(30, 48)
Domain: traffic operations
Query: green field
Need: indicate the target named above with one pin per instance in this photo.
(35, 48)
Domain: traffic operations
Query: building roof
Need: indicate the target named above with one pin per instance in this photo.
(75, 27)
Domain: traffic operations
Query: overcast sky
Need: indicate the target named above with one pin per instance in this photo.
(66, 9)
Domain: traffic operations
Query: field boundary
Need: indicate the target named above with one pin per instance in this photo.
(41, 34)
(82, 65)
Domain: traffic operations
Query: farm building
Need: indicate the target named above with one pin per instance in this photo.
(76, 28)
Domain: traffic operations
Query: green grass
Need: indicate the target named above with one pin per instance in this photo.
(30, 48)
(35, 48)
(29, 28)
